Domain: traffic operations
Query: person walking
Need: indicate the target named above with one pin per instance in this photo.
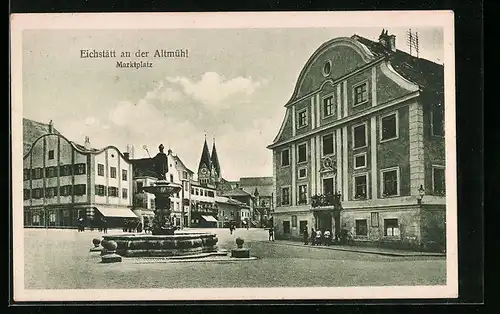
(313, 236)
(271, 233)
(81, 226)
(104, 225)
(305, 234)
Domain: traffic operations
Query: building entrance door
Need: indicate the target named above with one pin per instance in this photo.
(323, 221)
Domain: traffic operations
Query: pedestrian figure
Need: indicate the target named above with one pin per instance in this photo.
(313, 236)
(326, 237)
(79, 224)
(317, 240)
(139, 227)
(306, 235)
(271, 234)
(247, 224)
(104, 225)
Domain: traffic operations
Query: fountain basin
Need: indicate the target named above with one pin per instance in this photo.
(178, 244)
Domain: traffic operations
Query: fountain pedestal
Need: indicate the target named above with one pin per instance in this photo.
(164, 241)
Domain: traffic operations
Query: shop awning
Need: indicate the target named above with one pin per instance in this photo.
(209, 218)
(116, 212)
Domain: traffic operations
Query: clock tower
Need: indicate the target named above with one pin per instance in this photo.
(205, 168)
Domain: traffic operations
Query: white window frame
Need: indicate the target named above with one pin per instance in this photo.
(385, 230)
(354, 104)
(363, 174)
(322, 144)
(432, 121)
(433, 181)
(289, 195)
(365, 124)
(354, 161)
(289, 157)
(382, 171)
(298, 173)
(334, 105)
(396, 113)
(297, 152)
(298, 193)
(298, 118)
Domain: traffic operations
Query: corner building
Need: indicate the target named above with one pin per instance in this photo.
(64, 181)
(365, 121)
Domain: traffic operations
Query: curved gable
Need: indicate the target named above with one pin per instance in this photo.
(285, 131)
(345, 55)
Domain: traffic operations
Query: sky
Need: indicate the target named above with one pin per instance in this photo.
(232, 87)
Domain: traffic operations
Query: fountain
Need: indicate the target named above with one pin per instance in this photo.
(165, 240)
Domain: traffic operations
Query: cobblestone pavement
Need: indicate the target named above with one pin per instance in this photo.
(60, 259)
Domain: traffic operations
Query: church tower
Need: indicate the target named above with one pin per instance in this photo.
(205, 168)
(215, 163)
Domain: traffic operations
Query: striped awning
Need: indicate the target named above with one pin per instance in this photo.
(122, 212)
(209, 218)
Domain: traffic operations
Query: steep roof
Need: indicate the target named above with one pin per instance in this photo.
(32, 130)
(264, 185)
(237, 192)
(205, 157)
(179, 161)
(229, 201)
(427, 74)
(256, 181)
(215, 159)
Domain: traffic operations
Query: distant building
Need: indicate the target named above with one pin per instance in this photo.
(262, 190)
(245, 215)
(231, 211)
(365, 121)
(65, 181)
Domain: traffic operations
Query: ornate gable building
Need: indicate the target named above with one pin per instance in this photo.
(361, 147)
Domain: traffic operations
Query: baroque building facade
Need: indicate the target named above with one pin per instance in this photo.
(65, 181)
(361, 147)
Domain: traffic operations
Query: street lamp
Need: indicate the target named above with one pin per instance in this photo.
(421, 193)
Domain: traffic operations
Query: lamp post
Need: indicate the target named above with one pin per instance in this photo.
(421, 193)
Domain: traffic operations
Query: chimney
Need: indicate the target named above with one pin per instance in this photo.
(392, 43)
(126, 155)
(87, 142)
(388, 41)
(50, 126)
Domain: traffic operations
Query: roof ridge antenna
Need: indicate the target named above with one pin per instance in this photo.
(412, 42)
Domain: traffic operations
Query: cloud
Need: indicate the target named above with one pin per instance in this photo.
(91, 121)
(215, 90)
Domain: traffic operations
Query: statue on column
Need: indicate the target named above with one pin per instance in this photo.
(160, 163)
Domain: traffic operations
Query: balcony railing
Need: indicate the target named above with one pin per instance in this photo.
(322, 200)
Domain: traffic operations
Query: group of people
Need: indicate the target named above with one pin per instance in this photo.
(130, 225)
(326, 237)
(101, 224)
(318, 237)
